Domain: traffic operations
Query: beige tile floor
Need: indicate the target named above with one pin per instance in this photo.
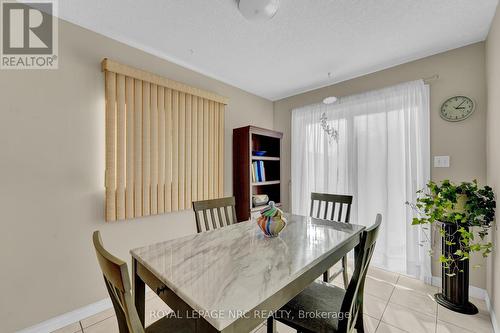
(393, 304)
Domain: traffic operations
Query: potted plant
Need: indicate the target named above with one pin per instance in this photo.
(454, 209)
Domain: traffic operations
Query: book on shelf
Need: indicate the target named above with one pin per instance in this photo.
(254, 172)
(257, 168)
(258, 172)
(263, 171)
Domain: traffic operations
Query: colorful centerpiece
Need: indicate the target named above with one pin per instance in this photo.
(272, 220)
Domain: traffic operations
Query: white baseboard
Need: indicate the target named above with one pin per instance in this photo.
(494, 322)
(69, 317)
(473, 291)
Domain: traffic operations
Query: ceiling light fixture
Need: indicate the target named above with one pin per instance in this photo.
(258, 10)
(330, 100)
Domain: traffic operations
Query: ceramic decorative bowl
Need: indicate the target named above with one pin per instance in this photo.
(272, 220)
(259, 152)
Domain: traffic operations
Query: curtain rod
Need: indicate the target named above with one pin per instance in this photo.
(427, 80)
(430, 79)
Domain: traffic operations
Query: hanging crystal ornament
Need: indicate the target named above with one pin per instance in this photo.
(332, 133)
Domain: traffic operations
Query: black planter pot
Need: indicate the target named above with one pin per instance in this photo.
(455, 289)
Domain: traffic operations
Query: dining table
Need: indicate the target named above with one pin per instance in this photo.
(233, 278)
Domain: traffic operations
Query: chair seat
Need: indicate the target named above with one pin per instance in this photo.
(315, 309)
(172, 325)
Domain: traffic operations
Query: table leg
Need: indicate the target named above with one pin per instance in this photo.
(202, 326)
(271, 325)
(139, 292)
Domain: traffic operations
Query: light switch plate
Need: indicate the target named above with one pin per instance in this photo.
(441, 161)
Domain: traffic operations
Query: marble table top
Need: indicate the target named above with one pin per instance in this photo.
(236, 268)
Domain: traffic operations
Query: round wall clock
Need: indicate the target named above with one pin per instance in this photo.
(457, 108)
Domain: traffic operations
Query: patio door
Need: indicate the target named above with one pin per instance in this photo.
(374, 146)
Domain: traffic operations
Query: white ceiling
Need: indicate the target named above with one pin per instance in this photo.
(294, 51)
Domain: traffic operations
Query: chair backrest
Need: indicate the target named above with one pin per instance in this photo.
(208, 212)
(354, 294)
(336, 200)
(119, 288)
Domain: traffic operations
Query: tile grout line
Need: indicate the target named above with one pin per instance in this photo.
(377, 297)
(454, 323)
(383, 281)
(419, 293)
(390, 325)
(97, 322)
(416, 309)
(81, 326)
(387, 304)
(436, 326)
(378, 324)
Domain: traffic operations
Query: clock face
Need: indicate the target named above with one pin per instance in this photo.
(457, 108)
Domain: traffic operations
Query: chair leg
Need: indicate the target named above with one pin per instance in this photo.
(360, 326)
(344, 273)
(325, 277)
(271, 325)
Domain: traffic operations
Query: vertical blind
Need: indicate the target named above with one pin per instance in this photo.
(164, 143)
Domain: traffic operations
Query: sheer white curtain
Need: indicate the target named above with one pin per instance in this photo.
(381, 157)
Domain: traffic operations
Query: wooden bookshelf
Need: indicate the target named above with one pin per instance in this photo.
(271, 182)
(246, 140)
(265, 158)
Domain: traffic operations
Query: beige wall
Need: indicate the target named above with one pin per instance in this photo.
(52, 163)
(51, 179)
(461, 71)
(493, 151)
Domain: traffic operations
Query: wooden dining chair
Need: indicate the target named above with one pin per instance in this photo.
(117, 282)
(325, 298)
(337, 203)
(209, 211)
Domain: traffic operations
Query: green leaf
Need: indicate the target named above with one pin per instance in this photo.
(415, 221)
